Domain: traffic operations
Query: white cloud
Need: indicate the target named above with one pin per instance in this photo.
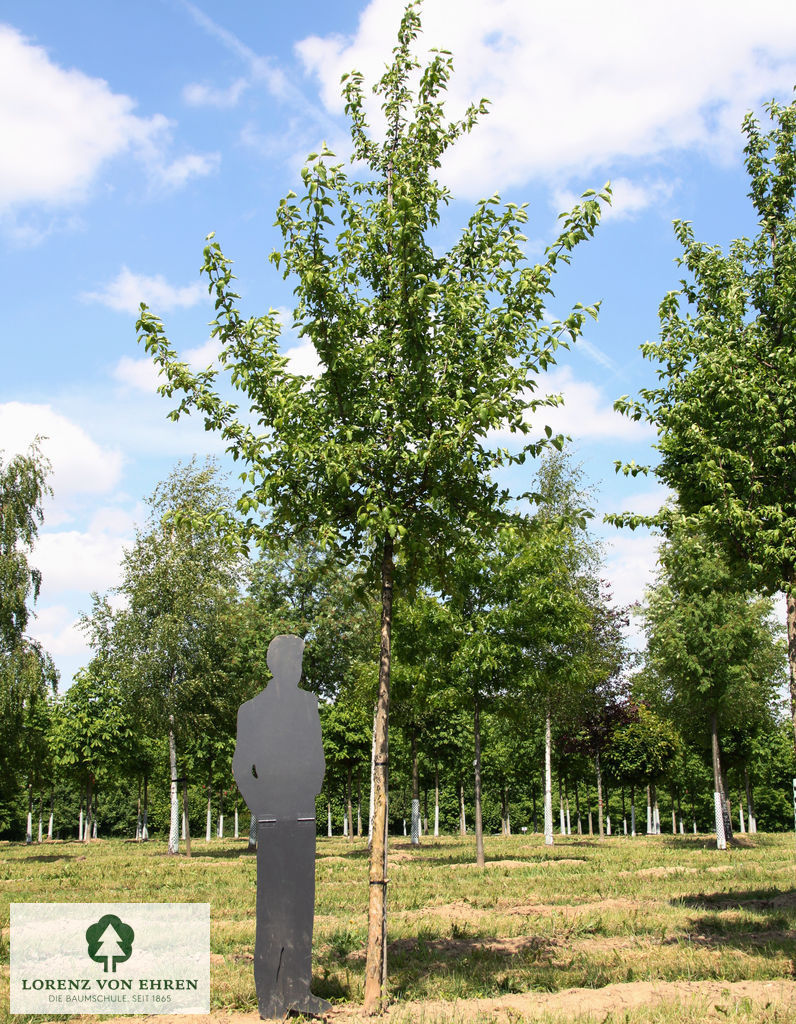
(628, 198)
(570, 91)
(197, 94)
(79, 560)
(192, 165)
(58, 631)
(60, 126)
(303, 359)
(127, 290)
(79, 464)
(142, 374)
(586, 413)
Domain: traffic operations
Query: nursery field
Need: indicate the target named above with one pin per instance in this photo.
(659, 929)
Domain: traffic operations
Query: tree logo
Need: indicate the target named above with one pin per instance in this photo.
(110, 941)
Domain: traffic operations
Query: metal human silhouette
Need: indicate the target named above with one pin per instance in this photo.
(279, 766)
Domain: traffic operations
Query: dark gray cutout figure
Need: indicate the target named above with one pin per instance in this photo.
(279, 767)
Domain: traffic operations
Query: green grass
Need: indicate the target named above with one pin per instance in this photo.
(537, 919)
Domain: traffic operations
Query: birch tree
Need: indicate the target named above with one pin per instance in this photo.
(384, 456)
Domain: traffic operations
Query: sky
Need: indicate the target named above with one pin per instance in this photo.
(131, 131)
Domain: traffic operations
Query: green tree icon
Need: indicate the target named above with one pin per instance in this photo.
(110, 941)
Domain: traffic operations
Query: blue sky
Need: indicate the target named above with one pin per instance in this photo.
(132, 130)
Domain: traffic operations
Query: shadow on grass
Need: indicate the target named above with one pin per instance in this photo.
(776, 900)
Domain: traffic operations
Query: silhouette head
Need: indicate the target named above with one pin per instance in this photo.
(284, 659)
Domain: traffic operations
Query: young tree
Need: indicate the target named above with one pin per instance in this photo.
(711, 647)
(178, 579)
(724, 406)
(384, 455)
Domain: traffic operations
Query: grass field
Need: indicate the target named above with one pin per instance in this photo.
(585, 914)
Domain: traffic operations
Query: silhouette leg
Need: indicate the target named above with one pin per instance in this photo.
(285, 913)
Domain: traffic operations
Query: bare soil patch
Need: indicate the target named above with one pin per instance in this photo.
(717, 996)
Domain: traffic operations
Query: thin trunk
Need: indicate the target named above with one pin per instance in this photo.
(80, 818)
(656, 814)
(329, 830)
(562, 821)
(624, 813)
(237, 824)
(479, 825)
(52, 814)
(741, 821)
(376, 962)
(220, 832)
(415, 791)
(174, 822)
(350, 803)
(632, 811)
(95, 818)
(577, 808)
(588, 808)
(566, 807)
(89, 818)
(359, 804)
(533, 801)
(650, 823)
(674, 816)
(462, 811)
(425, 812)
(791, 603)
(718, 791)
(186, 824)
(436, 800)
(209, 821)
(750, 803)
(41, 820)
(29, 829)
(145, 823)
(548, 780)
(138, 813)
(600, 828)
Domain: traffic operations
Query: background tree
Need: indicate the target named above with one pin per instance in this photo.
(711, 647)
(385, 453)
(178, 578)
(724, 407)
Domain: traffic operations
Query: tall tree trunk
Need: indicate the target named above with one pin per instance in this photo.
(600, 828)
(95, 817)
(566, 806)
(462, 811)
(174, 804)
(80, 817)
(220, 832)
(329, 829)
(718, 786)
(138, 813)
(632, 810)
(41, 822)
(29, 827)
(237, 823)
(376, 962)
(359, 803)
(562, 821)
(415, 791)
(145, 823)
(89, 818)
(624, 813)
(588, 808)
(577, 808)
(209, 816)
(52, 814)
(548, 780)
(479, 824)
(791, 605)
(436, 799)
(650, 822)
(741, 821)
(186, 821)
(350, 802)
(750, 803)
